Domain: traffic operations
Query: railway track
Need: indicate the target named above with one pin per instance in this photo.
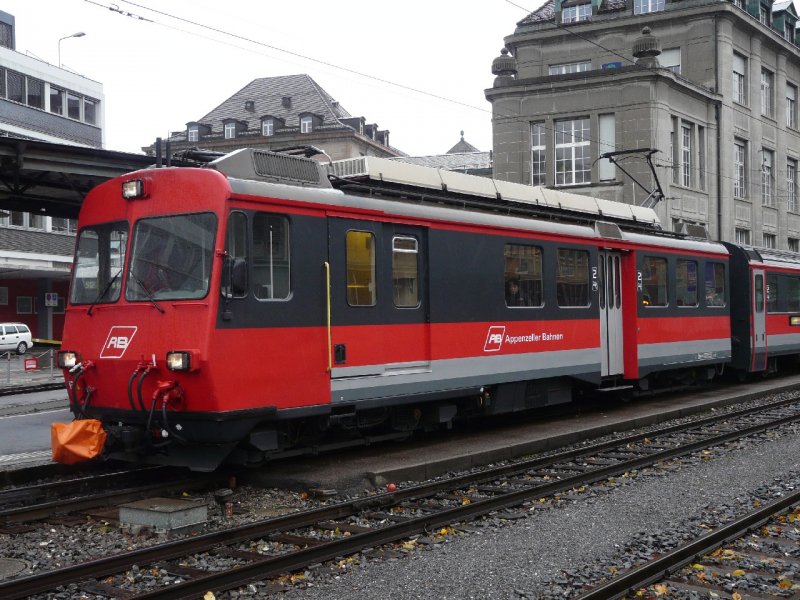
(718, 564)
(34, 501)
(297, 540)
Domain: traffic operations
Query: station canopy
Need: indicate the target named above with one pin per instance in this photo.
(53, 179)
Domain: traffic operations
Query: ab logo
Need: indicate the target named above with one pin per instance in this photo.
(494, 339)
(118, 340)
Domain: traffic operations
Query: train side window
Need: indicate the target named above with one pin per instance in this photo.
(360, 268)
(523, 275)
(572, 278)
(271, 257)
(715, 284)
(236, 249)
(774, 294)
(654, 281)
(686, 283)
(405, 271)
(759, 285)
(792, 294)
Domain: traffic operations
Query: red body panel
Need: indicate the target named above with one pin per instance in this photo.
(654, 330)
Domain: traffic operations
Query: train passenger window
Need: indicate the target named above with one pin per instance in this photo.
(236, 249)
(572, 278)
(99, 261)
(271, 257)
(361, 268)
(792, 294)
(523, 275)
(686, 283)
(715, 284)
(654, 281)
(773, 292)
(405, 278)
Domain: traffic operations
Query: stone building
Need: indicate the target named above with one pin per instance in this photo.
(712, 85)
(462, 157)
(276, 113)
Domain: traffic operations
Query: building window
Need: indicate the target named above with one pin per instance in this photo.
(701, 157)
(686, 155)
(574, 67)
(768, 240)
(607, 127)
(647, 6)
(579, 12)
(794, 244)
(230, 131)
(766, 93)
(791, 106)
(62, 225)
(673, 150)
(788, 32)
(739, 4)
(739, 79)
(791, 185)
(15, 86)
(671, 59)
(35, 93)
(90, 111)
(305, 125)
(267, 127)
(763, 14)
(739, 169)
(193, 134)
(767, 179)
(538, 155)
(73, 106)
(56, 101)
(24, 305)
(573, 154)
(743, 237)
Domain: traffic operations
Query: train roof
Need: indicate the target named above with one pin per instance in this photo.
(411, 190)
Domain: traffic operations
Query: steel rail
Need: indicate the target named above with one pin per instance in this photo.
(19, 588)
(678, 558)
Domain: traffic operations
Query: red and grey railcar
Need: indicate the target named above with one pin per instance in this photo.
(239, 309)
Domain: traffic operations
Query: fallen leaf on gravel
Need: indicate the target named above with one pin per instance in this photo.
(784, 584)
(736, 596)
(660, 589)
(209, 596)
(697, 567)
(738, 573)
(465, 501)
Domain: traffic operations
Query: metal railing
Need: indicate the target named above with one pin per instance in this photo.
(28, 369)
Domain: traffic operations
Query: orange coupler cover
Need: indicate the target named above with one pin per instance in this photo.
(77, 441)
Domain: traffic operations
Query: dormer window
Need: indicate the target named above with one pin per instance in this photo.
(193, 134)
(764, 14)
(576, 13)
(268, 127)
(306, 124)
(641, 7)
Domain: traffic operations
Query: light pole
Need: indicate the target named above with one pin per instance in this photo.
(79, 34)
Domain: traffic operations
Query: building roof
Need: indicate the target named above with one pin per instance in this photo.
(547, 12)
(462, 146)
(269, 94)
(460, 161)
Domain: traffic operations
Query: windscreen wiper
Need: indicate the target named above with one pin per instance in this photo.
(104, 292)
(146, 291)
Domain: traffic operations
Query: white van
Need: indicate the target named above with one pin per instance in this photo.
(15, 336)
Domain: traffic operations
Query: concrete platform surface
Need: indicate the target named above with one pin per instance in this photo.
(422, 458)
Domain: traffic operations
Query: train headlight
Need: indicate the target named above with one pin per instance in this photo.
(794, 320)
(133, 189)
(179, 360)
(67, 359)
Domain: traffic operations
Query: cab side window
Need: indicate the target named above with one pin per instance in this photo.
(715, 284)
(654, 281)
(271, 257)
(572, 278)
(360, 252)
(523, 275)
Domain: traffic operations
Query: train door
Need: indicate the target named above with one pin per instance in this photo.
(610, 302)
(378, 298)
(759, 325)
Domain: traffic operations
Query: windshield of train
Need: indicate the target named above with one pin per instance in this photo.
(97, 274)
(171, 257)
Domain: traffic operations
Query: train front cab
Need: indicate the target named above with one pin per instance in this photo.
(765, 308)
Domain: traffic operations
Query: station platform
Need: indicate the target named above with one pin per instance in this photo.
(437, 454)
